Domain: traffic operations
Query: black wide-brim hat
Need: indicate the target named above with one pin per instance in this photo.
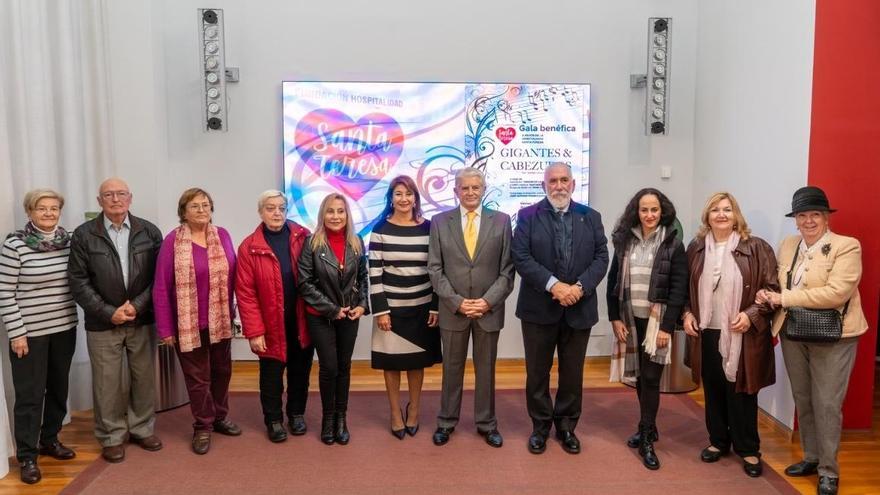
(809, 198)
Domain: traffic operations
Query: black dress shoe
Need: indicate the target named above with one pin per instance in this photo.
(537, 443)
(297, 424)
(327, 434)
(712, 456)
(276, 432)
(441, 436)
(30, 473)
(226, 427)
(633, 441)
(57, 450)
(410, 430)
(493, 438)
(570, 442)
(753, 470)
(803, 468)
(827, 485)
(340, 429)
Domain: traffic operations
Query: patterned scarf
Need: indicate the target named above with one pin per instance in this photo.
(38, 241)
(219, 320)
(730, 289)
(625, 355)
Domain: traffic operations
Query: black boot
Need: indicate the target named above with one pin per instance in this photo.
(340, 429)
(646, 449)
(327, 429)
(634, 440)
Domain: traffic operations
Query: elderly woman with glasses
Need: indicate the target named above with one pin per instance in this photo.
(192, 299)
(40, 317)
(273, 313)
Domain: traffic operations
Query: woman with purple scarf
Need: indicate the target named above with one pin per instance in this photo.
(40, 317)
(730, 346)
(192, 299)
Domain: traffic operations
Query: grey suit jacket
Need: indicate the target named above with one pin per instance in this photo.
(456, 277)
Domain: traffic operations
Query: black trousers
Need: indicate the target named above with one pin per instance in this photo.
(731, 417)
(540, 341)
(299, 366)
(334, 342)
(41, 379)
(648, 382)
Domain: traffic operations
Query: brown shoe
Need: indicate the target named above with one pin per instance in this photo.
(57, 450)
(30, 473)
(226, 427)
(151, 443)
(201, 442)
(113, 453)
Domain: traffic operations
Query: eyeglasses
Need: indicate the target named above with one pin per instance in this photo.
(273, 209)
(43, 209)
(118, 194)
(199, 207)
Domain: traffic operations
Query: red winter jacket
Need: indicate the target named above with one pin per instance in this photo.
(260, 294)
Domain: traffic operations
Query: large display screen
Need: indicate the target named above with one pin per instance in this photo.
(353, 138)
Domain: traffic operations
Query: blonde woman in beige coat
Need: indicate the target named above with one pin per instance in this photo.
(825, 269)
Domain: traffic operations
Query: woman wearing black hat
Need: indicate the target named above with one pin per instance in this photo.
(818, 269)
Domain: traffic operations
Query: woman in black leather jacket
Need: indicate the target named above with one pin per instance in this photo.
(333, 282)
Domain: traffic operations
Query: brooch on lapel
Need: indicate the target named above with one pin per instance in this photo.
(826, 249)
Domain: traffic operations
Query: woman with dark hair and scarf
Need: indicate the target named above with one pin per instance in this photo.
(647, 288)
(40, 317)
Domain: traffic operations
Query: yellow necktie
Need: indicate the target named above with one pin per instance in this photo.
(470, 234)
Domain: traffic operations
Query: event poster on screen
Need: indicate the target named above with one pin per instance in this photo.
(353, 138)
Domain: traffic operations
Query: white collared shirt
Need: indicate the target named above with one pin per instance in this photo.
(463, 211)
(119, 238)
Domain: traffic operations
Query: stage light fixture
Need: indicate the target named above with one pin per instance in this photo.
(212, 57)
(657, 84)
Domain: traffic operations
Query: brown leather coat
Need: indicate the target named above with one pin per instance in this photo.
(757, 263)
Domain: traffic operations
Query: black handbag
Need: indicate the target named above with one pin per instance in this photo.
(812, 325)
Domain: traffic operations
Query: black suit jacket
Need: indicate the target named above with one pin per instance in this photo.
(534, 257)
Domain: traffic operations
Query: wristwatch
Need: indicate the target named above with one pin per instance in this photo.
(580, 285)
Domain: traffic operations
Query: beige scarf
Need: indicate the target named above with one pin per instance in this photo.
(219, 320)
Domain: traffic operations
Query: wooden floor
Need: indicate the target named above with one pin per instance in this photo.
(860, 470)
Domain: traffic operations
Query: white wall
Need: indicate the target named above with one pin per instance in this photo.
(753, 96)
(161, 149)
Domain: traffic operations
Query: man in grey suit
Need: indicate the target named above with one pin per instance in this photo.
(471, 270)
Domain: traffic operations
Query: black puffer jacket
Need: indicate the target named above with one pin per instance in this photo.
(324, 288)
(669, 280)
(95, 274)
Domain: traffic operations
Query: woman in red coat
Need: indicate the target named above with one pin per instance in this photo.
(273, 314)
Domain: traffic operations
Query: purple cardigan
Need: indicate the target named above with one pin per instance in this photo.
(165, 294)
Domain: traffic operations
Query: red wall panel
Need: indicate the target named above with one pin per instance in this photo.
(845, 158)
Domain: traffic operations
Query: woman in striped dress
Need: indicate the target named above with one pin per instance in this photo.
(405, 336)
(40, 317)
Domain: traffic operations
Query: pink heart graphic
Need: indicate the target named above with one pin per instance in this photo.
(351, 156)
(505, 134)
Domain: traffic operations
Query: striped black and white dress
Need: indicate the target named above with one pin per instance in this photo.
(399, 285)
(35, 298)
